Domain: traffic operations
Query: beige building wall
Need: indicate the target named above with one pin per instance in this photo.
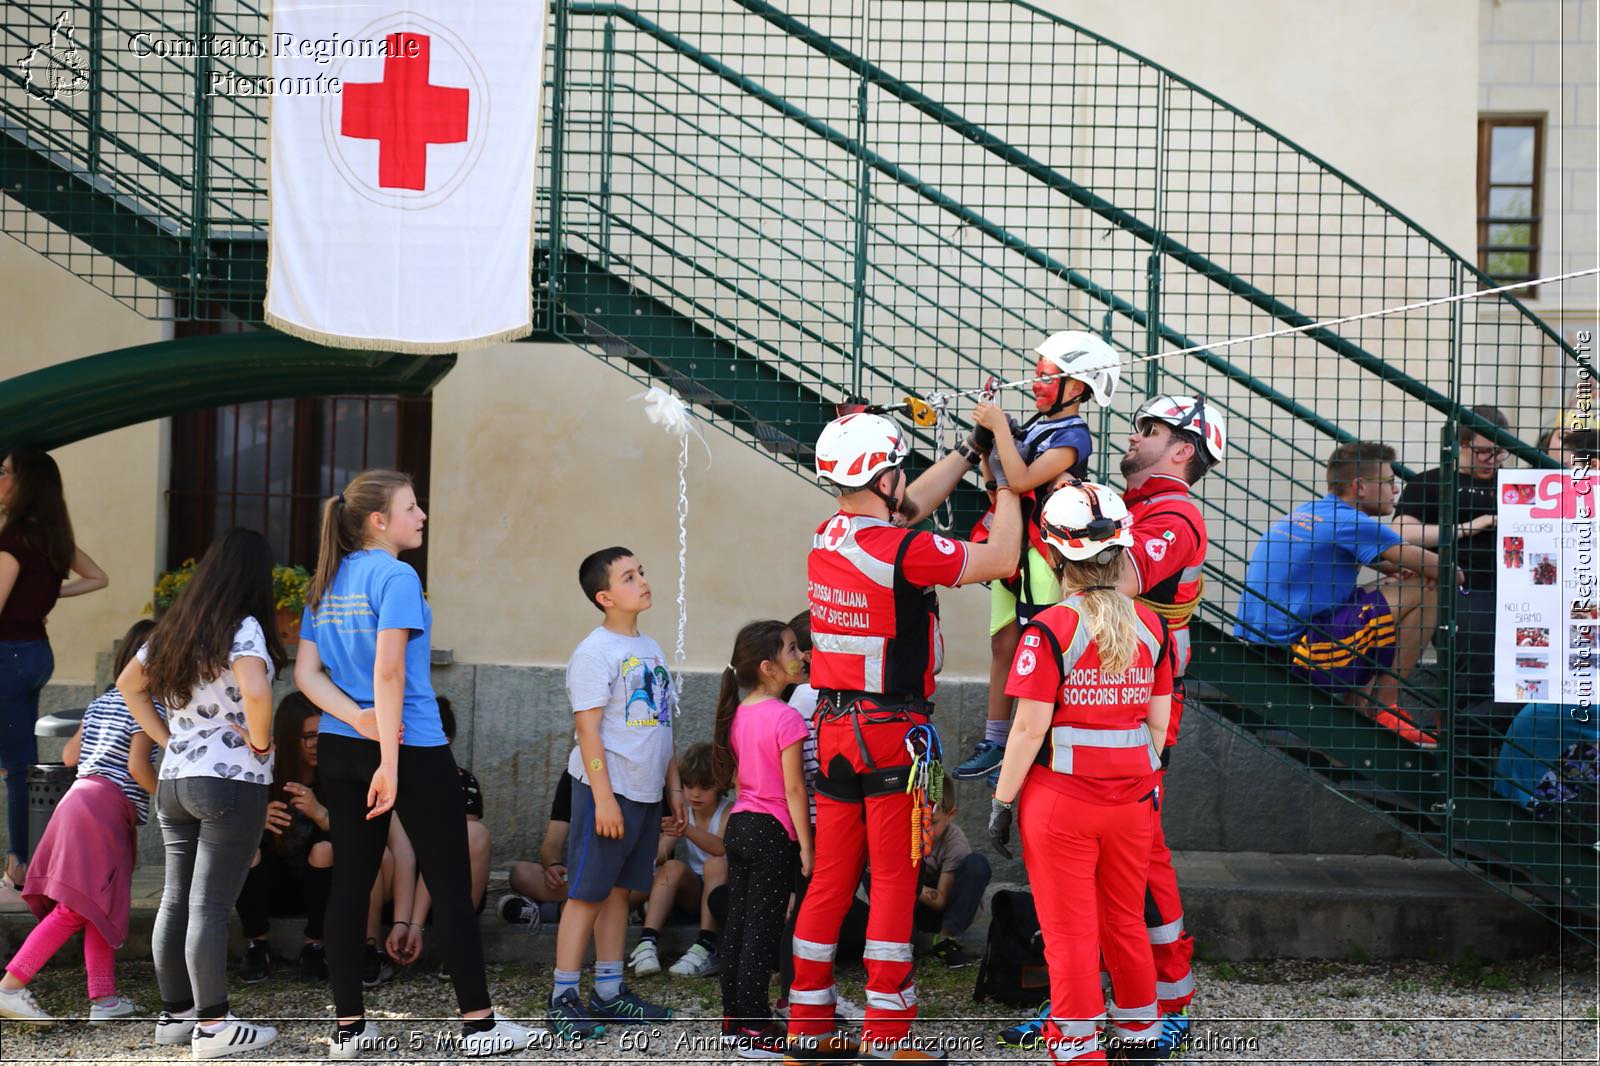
(541, 455)
(563, 461)
(114, 482)
(1380, 89)
(1540, 57)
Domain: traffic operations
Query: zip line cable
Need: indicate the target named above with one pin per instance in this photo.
(994, 385)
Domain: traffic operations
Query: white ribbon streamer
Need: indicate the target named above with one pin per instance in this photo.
(672, 414)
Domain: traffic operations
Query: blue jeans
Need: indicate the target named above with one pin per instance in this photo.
(25, 666)
(966, 896)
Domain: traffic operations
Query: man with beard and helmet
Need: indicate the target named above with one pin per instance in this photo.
(876, 648)
(1176, 440)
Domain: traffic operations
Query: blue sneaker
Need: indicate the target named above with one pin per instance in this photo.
(993, 780)
(1027, 1035)
(625, 1008)
(985, 757)
(1174, 1035)
(570, 1021)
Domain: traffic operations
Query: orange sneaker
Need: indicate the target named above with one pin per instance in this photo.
(1399, 723)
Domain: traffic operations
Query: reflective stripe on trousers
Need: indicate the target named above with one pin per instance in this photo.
(1168, 933)
(1183, 988)
(1070, 1039)
(1135, 1023)
(1064, 738)
(810, 949)
(814, 997)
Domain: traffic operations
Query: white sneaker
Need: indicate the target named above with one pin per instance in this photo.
(505, 1037)
(21, 1006)
(519, 910)
(173, 1030)
(351, 1047)
(698, 961)
(848, 1009)
(108, 1009)
(645, 960)
(236, 1037)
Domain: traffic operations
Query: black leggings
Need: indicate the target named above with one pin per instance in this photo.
(283, 885)
(431, 805)
(762, 863)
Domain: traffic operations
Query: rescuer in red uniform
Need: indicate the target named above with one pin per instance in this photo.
(876, 647)
(1093, 682)
(1176, 439)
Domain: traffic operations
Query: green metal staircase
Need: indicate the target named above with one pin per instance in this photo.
(769, 209)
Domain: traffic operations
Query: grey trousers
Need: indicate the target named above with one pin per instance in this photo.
(211, 828)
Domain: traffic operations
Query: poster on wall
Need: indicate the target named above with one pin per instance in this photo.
(1549, 616)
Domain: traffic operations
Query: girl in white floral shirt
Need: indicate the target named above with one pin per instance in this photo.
(210, 661)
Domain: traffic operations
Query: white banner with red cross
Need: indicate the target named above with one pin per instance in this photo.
(403, 147)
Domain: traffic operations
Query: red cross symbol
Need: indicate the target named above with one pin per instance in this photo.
(837, 530)
(404, 114)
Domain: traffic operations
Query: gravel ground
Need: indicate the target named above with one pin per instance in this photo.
(1541, 1011)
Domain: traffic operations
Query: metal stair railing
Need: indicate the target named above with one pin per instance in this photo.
(833, 199)
(1028, 231)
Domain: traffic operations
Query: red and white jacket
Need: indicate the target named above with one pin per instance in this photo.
(874, 614)
(1100, 749)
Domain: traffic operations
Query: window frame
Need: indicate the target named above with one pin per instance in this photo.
(1487, 124)
(192, 485)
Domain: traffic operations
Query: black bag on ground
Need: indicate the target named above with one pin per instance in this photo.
(1013, 969)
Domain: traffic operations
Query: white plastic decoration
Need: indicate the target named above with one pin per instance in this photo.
(672, 414)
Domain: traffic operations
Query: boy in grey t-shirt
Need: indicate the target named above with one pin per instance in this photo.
(623, 705)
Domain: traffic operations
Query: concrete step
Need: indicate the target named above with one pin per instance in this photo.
(1239, 905)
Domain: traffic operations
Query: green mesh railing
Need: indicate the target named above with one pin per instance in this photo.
(772, 209)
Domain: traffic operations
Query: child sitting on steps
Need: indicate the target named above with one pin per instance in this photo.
(686, 885)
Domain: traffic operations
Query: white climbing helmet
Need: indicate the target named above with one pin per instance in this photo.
(1087, 358)
(1191, 414)
(853, 450)
(1081, 521)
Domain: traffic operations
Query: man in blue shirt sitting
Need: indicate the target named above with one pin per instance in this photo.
(1301, 589)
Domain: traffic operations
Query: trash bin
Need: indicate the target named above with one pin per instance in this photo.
(49, 781)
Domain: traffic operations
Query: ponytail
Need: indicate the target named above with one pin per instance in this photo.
(723, 763)
(757, 642)
(344, 520)
(1113, 623)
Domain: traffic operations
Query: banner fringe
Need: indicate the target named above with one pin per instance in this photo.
(383, 344)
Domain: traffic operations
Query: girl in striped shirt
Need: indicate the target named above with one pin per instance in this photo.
(81, 872)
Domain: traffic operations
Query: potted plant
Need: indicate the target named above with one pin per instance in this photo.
(288, 595)
(168, 585)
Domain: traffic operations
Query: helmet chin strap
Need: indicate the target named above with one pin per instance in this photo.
(892, 502)
(1061, 396)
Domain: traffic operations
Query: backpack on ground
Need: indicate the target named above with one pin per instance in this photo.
(1013, 968)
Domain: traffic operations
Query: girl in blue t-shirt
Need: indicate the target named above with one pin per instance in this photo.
(364, 659)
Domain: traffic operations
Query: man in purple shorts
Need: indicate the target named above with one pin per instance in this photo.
(1301, 590)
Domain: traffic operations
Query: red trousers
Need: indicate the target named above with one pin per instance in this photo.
(1171, 945)
(848, 836)
(1087, 865)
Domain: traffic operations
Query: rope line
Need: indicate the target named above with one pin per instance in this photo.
(992, 386)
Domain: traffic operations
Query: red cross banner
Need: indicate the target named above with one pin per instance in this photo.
(401, 189)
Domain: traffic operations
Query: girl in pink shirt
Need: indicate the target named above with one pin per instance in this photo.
(757, 742)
